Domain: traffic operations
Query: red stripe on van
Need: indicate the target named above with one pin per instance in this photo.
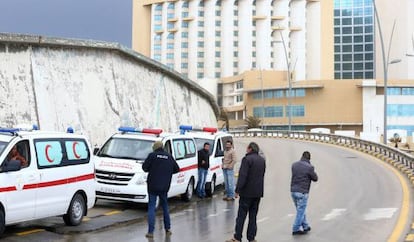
(7, 189)
(189, 167)
(60, 182)
(214, 168)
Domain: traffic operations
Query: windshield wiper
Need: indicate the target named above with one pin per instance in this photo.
(125, 157)
(106, 155)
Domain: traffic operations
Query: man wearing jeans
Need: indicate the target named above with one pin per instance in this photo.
(228, 170)
(203, 165)
(160, 166)
(303, 173)
(250, 187)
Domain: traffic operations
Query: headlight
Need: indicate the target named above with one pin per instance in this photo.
(142, 179)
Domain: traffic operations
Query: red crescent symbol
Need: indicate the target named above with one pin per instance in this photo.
(74, 150)
(47, 153)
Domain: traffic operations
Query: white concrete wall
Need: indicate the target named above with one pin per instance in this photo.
(94, 90)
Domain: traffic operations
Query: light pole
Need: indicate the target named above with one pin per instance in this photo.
(385, 63)
(289, 82)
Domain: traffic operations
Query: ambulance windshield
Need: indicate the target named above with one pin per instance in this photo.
(122, 148)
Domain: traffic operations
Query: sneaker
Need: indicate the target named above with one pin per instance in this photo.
(168, 232)
(232, 240)
(299, 232)
(307, 229)
(149, 235)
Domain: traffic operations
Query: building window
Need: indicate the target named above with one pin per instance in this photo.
(235, 53)
(184, 45)
(300, 92)
(200, 43)
(170, 25)
(217, 64)
(218, 23)
(200, 64)
(171, 6)
(201, 13)
(297, 110)
(236, 33)
(170, 36)
(184, 24)
(239, 85)
(218, 43)
(200, 54)
(170, 55)
(184, 34)
(257, 95)
(217, 75)
(218, 12)
(184, 55)
(170, 46)
(184, 14)
(217, 54)
(200, 34)
(235, 64)
(185, 4)
(218, 33)
(239, 98)
(170, 15)
(200, 23)
(158, 7)
(200, 75)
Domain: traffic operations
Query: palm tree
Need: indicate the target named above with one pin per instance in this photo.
(224, 117)
(252, 122)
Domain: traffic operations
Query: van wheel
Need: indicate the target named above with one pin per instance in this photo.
(76, 210)
(211, 187)
(2, 222)
(189, 192)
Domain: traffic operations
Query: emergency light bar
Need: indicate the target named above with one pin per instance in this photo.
(19, 128)
(139, 130)
(184, 128)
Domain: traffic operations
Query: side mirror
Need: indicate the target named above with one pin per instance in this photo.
(95, 150)
(12, 165)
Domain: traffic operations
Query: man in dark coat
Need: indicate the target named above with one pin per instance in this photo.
(160, 166)
(303, 173)
(250, 186)
(203, 166)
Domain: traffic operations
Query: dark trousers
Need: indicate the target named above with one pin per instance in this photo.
(251, 206)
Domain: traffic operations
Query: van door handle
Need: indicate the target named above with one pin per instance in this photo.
(32, 178)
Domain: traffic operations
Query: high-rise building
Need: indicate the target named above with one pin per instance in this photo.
(221, 38)
(354, 39)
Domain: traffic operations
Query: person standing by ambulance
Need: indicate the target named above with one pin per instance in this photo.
(160, 166)
(203, 166)
(229, 160)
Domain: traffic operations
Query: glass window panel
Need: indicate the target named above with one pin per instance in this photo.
(358, 30)
(358, 48)
(347, 66)
(358, 66)
(358, 39)
(347, 39)
(347, 57)
(347, 21)
(358, 75)
(347, 30)
(347, 48)
(358, 57)
(369, 56)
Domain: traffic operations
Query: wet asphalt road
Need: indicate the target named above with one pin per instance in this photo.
(356, 199)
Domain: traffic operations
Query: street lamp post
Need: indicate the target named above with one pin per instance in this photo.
(289, 82)
(385, 63)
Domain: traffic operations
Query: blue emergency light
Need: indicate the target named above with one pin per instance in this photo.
(126, 129)
(185, 128)
(9, 130)
(70, 130)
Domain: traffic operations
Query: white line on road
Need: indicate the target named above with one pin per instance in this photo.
(379, 213)
(262, 219)
(213, 215)
(334, 213)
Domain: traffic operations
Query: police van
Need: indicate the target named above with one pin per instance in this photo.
(44, 174)
(217, 141)
(118, 164)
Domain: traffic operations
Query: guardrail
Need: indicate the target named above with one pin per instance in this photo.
(403, 161)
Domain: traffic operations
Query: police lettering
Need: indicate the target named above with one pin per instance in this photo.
(162, 156)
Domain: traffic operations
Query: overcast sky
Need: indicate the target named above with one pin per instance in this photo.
(108, 20)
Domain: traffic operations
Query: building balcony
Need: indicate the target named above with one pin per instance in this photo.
(295, 28)
(172, 19)
(259, 17)
(159, 31)
(173, 30)
(278, 28)
(187, 19)
(275, 17)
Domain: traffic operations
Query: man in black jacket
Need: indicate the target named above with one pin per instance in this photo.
(303, 173)
(203, 165)
(160, 166)
(250, 189)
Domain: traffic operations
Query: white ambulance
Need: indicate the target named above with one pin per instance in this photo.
(217, 141)
(118, 164)
(44, 174)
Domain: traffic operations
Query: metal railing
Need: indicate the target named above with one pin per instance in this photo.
(387, 153)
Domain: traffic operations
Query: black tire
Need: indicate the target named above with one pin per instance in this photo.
(188, 192)
(76, 210)
(211, 187)
(2, 222)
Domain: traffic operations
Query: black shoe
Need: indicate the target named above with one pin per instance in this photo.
(307, 229)
(299, 232)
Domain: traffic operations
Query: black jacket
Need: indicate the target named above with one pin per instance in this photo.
(160, 166)
(251, 176)
(302, 175)
(203, 155)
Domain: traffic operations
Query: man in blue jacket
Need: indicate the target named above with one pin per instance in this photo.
(250, 186)
(160, 166)
(303, 173)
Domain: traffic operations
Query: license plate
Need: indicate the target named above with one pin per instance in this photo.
(110, 190)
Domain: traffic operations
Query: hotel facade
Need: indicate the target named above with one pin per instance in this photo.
(248, 54)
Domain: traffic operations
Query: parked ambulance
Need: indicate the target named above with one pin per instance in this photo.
(118, 164)
(44, 174)
(217, 141)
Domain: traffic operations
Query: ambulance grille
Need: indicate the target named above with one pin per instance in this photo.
(113, 178)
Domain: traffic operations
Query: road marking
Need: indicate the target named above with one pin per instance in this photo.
(30, 232)
(336, 212)
(410, 237)
(226, 210)
(291, 215)
(262, 219)
(85, 219)
(379, 213)
(213, 215)
(112, 213)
